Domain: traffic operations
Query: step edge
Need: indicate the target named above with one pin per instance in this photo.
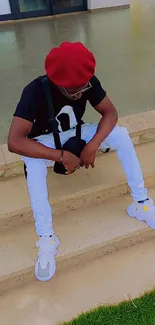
(68, 261)
(97, 194)
(66, 203)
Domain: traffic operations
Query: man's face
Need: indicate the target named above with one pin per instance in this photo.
(75, 93)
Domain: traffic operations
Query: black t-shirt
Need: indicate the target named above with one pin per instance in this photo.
(33, 106)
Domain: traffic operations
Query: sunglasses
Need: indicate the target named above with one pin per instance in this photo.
(83, 90)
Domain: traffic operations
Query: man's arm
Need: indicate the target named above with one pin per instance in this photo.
(105, 126)
(22, 124)
(107, 122)
(20, 144)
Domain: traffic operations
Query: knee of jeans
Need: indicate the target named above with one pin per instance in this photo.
(120, 137)
(88, 131)
(35, 167)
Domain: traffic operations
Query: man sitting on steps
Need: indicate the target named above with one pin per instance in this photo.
(70, 75)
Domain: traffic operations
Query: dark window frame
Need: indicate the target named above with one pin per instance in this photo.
(16, 14)
(6, 17)
(82, 7)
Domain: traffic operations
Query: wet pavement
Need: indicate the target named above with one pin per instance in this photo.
(123, 42)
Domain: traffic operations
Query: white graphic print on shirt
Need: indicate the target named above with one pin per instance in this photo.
(66, 119)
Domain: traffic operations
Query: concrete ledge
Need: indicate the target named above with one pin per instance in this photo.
(50, 17)
(141, 127)
(120, 7)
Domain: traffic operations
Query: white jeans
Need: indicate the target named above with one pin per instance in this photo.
(118, 140)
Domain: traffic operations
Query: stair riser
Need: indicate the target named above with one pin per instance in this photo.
(65, 204)
(65, 263)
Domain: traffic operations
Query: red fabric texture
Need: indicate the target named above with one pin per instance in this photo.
(71, 65)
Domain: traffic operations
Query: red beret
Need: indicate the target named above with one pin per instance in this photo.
(71, 65)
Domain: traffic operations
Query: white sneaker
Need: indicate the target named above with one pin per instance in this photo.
(143, 211)
(45, 267)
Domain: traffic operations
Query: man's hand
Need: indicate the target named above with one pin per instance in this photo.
(71, 162)
(88, 155)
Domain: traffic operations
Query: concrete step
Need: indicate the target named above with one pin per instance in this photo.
(67, 193)
(85, 234)
(122, 275)
(141, 127)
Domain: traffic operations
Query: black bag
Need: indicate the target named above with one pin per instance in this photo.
(75, 144)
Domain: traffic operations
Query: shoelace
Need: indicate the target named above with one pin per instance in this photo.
(142, 202)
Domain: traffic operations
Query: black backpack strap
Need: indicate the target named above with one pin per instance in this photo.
(78, 130)
(52, 121)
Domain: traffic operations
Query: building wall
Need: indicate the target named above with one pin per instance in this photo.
(96, 4)
(4, 7)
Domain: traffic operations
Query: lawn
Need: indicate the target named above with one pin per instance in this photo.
(140, 311)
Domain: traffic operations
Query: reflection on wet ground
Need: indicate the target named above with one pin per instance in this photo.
(123, 42)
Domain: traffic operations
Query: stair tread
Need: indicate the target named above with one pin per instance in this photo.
(78, 230)
(123, 275)
(108, 173)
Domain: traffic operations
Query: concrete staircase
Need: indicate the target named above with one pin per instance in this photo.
(89, 217)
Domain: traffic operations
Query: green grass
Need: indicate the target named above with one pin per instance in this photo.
(140, 311)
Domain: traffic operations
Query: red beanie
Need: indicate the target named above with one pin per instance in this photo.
(71, 65)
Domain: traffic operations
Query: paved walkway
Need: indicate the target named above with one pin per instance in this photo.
(123, 42)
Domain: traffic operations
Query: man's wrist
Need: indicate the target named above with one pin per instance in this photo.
(56, 155)
(96, 141)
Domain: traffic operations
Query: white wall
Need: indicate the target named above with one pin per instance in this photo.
(95, 4)
(4, 7)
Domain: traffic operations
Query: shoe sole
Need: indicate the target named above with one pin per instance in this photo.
(47, 278)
